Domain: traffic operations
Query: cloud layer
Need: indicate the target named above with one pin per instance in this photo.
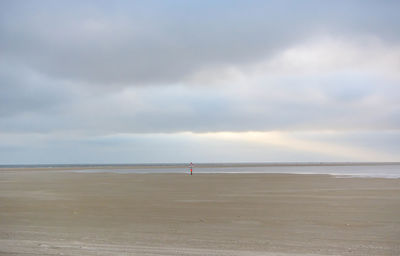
(79, 71)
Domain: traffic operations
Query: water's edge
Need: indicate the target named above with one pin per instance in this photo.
(340, 170)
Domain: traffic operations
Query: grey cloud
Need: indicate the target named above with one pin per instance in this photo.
(177, 109)
(164, 42)
(23, 92)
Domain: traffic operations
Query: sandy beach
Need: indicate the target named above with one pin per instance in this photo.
(62, 213)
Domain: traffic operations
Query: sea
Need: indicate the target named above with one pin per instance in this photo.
(339, 170)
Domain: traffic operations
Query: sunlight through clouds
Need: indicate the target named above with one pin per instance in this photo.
(289, 141)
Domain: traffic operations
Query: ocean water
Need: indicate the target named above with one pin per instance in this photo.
(341, 171)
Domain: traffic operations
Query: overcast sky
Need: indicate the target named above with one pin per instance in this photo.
(202, 81)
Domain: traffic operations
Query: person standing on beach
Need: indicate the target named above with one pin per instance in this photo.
(191, 168)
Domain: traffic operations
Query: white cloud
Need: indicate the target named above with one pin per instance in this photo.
(315, 56)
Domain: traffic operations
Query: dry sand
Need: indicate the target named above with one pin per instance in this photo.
(61, 213)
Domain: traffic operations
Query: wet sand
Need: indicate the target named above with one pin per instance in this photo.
(61, 213)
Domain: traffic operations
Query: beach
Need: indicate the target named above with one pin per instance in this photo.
(68, 213)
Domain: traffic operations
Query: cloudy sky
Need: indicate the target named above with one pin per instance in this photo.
(202, 81)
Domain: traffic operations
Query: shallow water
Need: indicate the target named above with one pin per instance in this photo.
(373, 171)
(341, 170)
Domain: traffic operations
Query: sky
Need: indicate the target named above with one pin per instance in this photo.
(199, 81)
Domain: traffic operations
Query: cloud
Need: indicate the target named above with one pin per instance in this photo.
(294, 141)
(24, 91)
(199, 147)
(124, 43)
(343, 85)
(89, 71)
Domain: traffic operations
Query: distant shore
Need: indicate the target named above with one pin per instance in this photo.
(62, 167)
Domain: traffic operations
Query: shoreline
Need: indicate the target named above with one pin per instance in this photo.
(185, 165)
(370, 170)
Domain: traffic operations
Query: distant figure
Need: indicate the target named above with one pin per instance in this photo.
(191, 168)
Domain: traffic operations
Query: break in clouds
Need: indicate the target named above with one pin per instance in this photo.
(132, 81)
